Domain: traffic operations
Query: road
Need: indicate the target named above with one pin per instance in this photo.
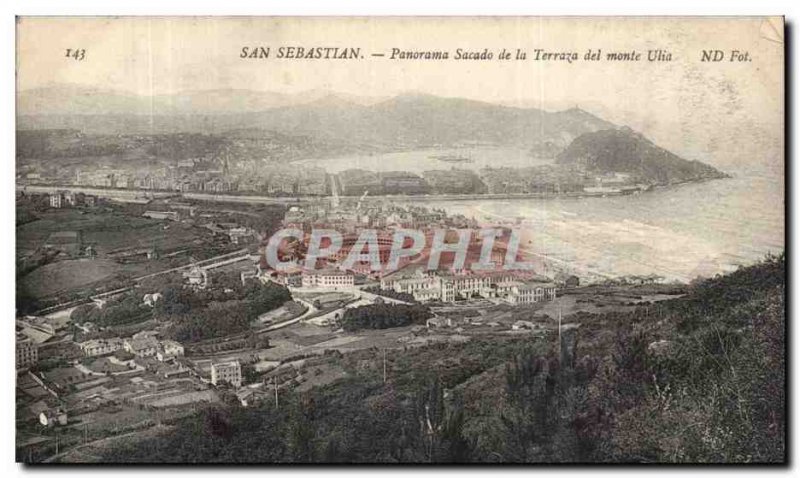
(224, 257)
(310, 310)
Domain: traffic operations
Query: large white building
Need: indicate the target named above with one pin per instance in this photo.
(230, 372)
(27, 352)
(467, 285)
(448, 288)
(97, 347)
(530, 293)
(57, 199)
(328, 278)
(141, 346)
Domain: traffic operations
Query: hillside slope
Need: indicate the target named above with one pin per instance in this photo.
(698, 379)
(626, 151)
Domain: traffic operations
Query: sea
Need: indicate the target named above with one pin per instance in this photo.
(677, 233)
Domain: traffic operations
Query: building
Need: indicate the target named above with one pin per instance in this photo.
(230, 372)
(425, 295)
(251, 396)
(448, 288)
(289, 279)
(248, 275)
(97, 347)
(141, 347)
(57, 199)
(38, 332)
(524, 325)
(152, 299)
(72, 199)
(240, 234)
(569, 280)
(145, 333)
(415, 284)
(171, 215)
(27, 352)
(530, 293)
(196, 277)
(439, 322)
(467, 285)
(168, 349)
(52, 417)
(328, 278)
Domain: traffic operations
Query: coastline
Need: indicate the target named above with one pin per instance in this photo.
(124, 194)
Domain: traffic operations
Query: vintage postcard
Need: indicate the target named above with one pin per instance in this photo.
(400, 240)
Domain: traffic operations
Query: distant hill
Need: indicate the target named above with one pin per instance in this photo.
(405, 121)
(626, 151)
(70, 99)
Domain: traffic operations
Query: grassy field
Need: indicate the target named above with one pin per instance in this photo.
(109, 231)
(63, 276)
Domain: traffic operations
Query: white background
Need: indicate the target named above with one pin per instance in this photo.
(316, 7)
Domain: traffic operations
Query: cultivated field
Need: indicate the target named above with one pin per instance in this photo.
(63, 276)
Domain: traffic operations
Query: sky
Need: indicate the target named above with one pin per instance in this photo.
(722, 113)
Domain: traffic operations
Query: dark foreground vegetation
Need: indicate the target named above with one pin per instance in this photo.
(384, 316)
(217, 312)
(695, 379)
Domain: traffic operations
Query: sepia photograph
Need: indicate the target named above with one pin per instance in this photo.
(400, 240)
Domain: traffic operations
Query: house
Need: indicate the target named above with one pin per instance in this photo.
(145, 333)
(230, 372)
(36, 331)
(142, 347)
(57, 199)
(524, 325)
(152, 299)
(439, 322)
(97, 347)
(250, 396)
(70, 198)
(196, 277)
(569, 280)
(171, 215)
(239, 234)
(171, 370)
(415, 284)
(168, 349)
(52, 417)
(27, 351)
(289, 279)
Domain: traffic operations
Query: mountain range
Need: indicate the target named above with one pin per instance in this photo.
(319, 122)
(407, 120)
(72, 99)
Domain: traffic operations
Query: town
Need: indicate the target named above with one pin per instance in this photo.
(237, 245)
(255, 163)
(177, 305)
